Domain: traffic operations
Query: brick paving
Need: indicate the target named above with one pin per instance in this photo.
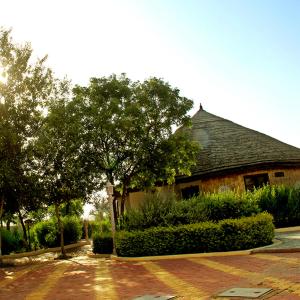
(193, 278)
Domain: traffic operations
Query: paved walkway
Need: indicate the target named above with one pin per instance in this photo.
(197, 278)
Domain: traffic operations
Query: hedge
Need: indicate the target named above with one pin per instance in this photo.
(102, 243)
(226, 235)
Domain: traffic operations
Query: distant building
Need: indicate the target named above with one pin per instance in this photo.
(234, 157)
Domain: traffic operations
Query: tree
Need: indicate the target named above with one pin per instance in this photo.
(25, 86)
(125, 131)
(62, 173)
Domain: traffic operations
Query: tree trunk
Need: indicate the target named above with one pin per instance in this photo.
(8, 225)
(61, 230)
(116, 213)
(23, 228)
(123, 199)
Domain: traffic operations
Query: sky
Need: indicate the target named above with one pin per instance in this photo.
(239, 58)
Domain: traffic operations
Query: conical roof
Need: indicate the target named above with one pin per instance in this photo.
(227, 145)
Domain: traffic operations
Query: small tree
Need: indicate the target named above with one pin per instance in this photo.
(125, 131)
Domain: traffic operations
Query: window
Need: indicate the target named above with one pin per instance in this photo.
(279, 174)
(256, 181)
(190, 191)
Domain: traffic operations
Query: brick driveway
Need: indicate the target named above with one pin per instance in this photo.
(193, 278)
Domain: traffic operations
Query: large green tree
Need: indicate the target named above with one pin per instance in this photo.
(126, 131)
(62, 172)
(25, 85)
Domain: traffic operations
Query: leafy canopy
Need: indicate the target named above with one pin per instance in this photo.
(125, 130)
(25, 86)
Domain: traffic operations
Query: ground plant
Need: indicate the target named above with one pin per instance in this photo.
(164, 209)
(225, 235)
(280, 201)
(47, 232)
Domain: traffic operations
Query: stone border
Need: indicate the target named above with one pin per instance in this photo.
(42, 251)
(287, 229)
(187, 255)
(181, 256)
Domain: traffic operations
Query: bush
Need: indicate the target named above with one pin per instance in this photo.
(95, 227)
(280, 201)
(228, 205)
(231, 234)
(164, 210)
(102, 243)
(11, 241)
(155, 210)
(72, 229)
(47, 233)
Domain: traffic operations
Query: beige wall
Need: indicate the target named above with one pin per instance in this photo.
(236, 181)
(229, 182)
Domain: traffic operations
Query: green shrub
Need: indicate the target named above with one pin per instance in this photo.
(228, 205)
(232, 234)
(11, 241)
(47, 233)
(280, 201)
(95, 227)
(72, 229)
(155, 210)
(164, 210)
(102, 243)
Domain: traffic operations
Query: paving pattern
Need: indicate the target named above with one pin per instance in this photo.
(193, 278)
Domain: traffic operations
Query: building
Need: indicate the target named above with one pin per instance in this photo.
(234, 157)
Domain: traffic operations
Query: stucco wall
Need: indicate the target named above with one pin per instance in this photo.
(222, 183)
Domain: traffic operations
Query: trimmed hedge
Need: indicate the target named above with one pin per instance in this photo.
(230, 234)
(102, 243)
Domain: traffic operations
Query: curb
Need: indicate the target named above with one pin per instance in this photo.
(93, 255)
(181, 256)
(287, 229)
(26, 256)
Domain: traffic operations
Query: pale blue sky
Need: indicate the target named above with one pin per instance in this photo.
(240, 59)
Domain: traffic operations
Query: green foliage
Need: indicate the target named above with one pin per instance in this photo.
(47, 233)
(102, 243)
(232, 234)
(28, 84)
(227, 205)
(155, 210)
(162, 209)
(73, 207)
(134, 120)
(280, 201)
(72, 229)
(11, 241)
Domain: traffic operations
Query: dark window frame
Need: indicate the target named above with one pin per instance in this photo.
(256, 181)
(190, 191)
(279, 174)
